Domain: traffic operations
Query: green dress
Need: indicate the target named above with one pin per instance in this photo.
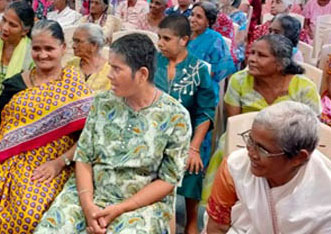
(193, 87)
(127, 150)
(241, 93)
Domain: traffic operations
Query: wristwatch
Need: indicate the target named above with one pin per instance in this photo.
(66, 160)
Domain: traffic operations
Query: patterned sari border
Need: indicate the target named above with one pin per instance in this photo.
(54, 125)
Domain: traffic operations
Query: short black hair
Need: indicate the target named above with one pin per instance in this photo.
(291, 27)
(179, 24)
(25, 13)
(210, 10)
(138, 51)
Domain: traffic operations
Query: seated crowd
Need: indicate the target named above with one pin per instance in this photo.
(112, 110)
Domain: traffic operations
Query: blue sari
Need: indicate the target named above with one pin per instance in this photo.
(211, 47)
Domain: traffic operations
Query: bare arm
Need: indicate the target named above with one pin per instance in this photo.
(194, 162)
(50, 169)
(199, 134)
(232, 110)
(216, 228)
(150, 194)
(84, 183)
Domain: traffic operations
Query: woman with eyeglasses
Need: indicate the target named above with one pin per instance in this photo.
(272, 77)
(88, 41)
(279, 183)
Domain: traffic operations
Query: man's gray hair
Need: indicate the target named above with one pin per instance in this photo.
(95, 34)
(294, 124)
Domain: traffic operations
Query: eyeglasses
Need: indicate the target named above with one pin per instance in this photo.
(77, 41)
(259, 149)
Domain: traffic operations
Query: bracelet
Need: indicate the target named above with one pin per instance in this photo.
(194, 149)
(85, 191)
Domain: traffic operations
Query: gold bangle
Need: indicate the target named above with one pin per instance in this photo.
(195, 149)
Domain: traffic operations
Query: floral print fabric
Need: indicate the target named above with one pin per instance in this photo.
(127, 150)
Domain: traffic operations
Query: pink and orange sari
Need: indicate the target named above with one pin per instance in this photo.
(37, 125)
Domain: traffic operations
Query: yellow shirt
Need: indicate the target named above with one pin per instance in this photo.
(97, 81)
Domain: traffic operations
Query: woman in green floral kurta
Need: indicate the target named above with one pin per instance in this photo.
(135, 154)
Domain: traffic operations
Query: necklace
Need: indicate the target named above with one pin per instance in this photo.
(32, 77)
(152, 102)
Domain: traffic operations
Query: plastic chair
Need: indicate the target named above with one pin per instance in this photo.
(306, 50)
(327, 37)
(68, 34)
(151, 35)
(324, 145)
(118, 23)
(314, 74)
(267, 17)
(237, 124)
(323, 24)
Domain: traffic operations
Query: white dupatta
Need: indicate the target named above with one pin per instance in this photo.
(303, 205)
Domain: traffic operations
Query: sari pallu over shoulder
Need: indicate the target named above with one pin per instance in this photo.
(41, 114)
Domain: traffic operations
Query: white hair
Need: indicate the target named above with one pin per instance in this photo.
(95, 33)
(294, 124)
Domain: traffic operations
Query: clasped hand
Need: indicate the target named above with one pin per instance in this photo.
(98, 219)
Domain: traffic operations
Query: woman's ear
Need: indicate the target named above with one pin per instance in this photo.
(25, 32)
(142, 75)
(300, 158)
(184, 40)
(64, 47)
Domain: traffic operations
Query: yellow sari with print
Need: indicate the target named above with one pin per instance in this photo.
(37, 125)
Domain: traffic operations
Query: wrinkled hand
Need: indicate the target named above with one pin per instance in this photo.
(93, 225)
(48, 171)
(106, 216)
(194, 162)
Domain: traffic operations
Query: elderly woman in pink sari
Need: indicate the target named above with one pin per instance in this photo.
(279, 183)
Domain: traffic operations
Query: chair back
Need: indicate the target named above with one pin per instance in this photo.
(151, 35)
(236, 125)
(117, 23)
(68, 34)
(240, 123)
(301, 18)
(314, 74)
(324, 145)
(266, 17)
(323, 24)
(306, 50)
